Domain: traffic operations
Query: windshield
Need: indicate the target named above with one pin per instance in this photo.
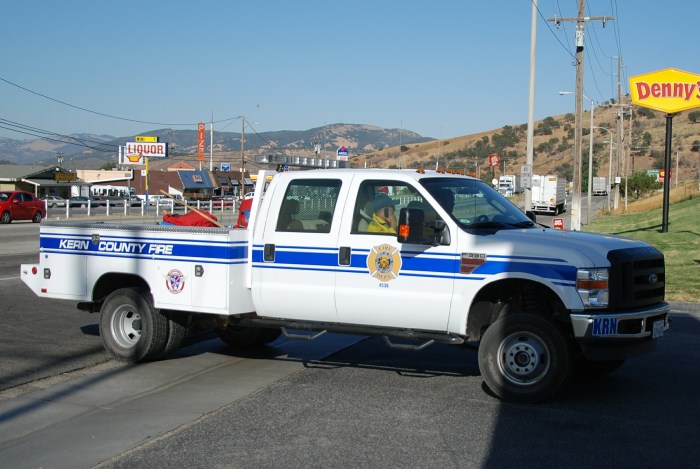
(474, 204)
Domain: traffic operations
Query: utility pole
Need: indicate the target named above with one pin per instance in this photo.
(578, 161)
(211, 143)
(242, 155)
(530, 157)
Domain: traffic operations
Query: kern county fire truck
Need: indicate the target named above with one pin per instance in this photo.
(465, 267)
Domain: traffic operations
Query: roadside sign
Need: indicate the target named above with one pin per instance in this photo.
(526, 175)
(225, 166)
(558, 223)
(494, 159)
(667, 90)
(343, 153)
(200, 141)
(146, 139)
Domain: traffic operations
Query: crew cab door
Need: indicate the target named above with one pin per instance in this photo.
(295, 259)
(381, 282)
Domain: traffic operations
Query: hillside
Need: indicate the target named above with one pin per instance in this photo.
(91, 151)
(554, 145)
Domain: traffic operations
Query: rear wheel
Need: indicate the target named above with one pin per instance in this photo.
(37, 217)
(524, 358)
(5, 218)
(130, 327)
(177, 328)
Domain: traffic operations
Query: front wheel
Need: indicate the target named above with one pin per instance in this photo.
(523, 358)
(132, 330)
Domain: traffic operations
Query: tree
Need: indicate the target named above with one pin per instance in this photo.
(694, 116)
(640, 184)
(108, 166)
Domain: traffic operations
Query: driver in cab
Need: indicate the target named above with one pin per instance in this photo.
(383, 216)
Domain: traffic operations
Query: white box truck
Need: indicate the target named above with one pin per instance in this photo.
(548, 194)
(509, 185)
(599, 185)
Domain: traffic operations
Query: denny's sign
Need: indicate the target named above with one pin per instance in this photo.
(668, 90)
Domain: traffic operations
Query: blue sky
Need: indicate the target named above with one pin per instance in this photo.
(440, 68)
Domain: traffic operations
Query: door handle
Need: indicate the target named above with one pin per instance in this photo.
(269, 253)
(344, 255)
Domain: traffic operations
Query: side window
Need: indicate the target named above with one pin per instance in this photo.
(378, 204)
(309, 206)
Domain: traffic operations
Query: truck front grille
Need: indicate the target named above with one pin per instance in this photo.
(637, 277)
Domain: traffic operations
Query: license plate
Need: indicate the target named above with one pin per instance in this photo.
(657, 329)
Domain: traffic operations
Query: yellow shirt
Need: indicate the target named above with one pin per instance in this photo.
(377, 225)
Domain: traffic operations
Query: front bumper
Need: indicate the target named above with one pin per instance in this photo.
(618, 335)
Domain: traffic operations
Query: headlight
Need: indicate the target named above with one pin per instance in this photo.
(592, 287)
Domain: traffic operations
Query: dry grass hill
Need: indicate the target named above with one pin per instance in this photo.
(554, 146)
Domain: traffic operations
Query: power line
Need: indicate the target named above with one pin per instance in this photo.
(102, 113)
(47, 135)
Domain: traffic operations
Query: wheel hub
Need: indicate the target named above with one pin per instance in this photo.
(523, 358)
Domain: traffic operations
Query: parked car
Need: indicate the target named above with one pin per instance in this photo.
(217, 201)
(82, 201)
(54, 201)
(20, 205)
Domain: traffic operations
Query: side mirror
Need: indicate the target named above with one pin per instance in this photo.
(531, 215)
(411, 223)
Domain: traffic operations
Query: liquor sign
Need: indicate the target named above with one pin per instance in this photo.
(151, 150)
(201, 139)
(668, 90)
(558, 223)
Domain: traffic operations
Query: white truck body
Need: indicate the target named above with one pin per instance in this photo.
(599, 185)
(448, 276)
(510, 184)
(548, 194)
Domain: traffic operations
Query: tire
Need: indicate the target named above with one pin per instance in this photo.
(5, 218)
(586, 368)
(240, 337)
(131, 329)
(177, 328)
(37, 217)
(523, 358)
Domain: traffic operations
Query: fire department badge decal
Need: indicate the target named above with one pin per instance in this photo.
(175, 281)
(384, 262)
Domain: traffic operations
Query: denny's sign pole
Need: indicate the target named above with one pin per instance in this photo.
(670, 91)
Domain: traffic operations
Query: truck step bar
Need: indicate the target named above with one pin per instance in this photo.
(322, 328)
(411, 347)
(289, 335)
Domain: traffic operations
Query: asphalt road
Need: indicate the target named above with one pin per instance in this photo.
(336, 402)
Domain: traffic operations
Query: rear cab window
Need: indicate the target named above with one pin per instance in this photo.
(309, 205)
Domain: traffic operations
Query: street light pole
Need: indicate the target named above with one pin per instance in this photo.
(609, 183)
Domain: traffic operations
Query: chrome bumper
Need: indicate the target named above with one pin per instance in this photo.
(628, 325)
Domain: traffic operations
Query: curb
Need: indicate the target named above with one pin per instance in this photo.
(684, 306)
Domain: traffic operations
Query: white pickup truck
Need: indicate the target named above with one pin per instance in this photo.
(466, 268)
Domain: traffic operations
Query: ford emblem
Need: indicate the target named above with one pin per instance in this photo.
(653, 278)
